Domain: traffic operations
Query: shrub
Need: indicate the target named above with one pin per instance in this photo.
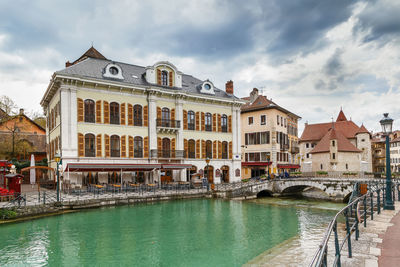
(7, 214)
(322, 173)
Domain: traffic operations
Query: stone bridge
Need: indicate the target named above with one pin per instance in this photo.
(334, 189)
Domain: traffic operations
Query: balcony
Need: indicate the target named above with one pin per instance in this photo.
(137, 122)
(167, 154)
(284, 147)
(224, 128)
(90, 153)
(168, 126)
(191, 155)
(191, 126)
(294, 150)
(115, 153)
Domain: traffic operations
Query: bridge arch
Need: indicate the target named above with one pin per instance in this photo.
(264, 193)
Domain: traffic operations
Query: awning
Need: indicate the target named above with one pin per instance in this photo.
(98, 167)
(176, 166)
(259, 163)
(288, 166)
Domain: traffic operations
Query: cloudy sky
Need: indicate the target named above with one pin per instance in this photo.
(311, 56)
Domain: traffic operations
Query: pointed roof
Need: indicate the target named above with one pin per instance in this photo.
(90, 53)
(362, 129)
(314, 132)
(343, 144)
(262, 102)
(341, 116)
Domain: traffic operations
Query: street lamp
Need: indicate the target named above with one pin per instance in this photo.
(57, 158)
(208, 173)
(386, 124)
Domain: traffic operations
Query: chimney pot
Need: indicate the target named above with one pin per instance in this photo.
(67, 64)
(229, 87)
(21, 111)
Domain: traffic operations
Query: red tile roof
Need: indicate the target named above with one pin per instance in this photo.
(362, 129)
(341, 116)
(315, 132)
(344, 145)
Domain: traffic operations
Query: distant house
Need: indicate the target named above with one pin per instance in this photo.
(3, 115)
(20, 137)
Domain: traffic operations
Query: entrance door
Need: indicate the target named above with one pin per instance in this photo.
(167, 176)
(209, 173)
(166, 148)
(225, 174)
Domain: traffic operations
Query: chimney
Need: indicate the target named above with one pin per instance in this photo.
(253, 95)
(67, 64)
(229, 87)
(21, 111)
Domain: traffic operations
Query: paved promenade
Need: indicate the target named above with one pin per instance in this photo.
(390, 246)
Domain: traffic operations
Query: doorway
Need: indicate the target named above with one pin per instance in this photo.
(209, 173)
(225, 174)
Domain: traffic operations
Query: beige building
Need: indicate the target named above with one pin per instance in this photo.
(115, 122)
(340, 146)
(269, 134)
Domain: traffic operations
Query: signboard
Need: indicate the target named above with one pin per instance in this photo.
(237, 172)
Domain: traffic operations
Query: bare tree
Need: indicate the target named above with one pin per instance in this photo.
(8, 105)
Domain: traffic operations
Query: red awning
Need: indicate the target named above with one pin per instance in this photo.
(98, 167)
(256, 163)
(288, 166)
(176, 166)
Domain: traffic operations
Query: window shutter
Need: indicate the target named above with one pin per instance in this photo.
(107, 145)
(80, 110)
(98, 111)
(173, 147)
(219, 123)
(123, 146)
(230, 150)
(173, 115)
(215, 154)
(214, 122)
(185, 147)
(81, 145)
(123, 113)
(146, 147)
(145, 116)
(170, 78)
(130, 146)
(130, 114)
(158, 113)
(219, 149)
(159, 145)
(197, 149)
(106, 110)
(98, 145)
(203, 149)
(203, 126)
(197, 121)
(185, 118)
(159, 77)
(229, 123)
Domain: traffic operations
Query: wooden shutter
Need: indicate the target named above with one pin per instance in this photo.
(159, 77)
(197, 149)
(81, 145)
(130, 114)
(215, 154)
(173, 147)
(173, 114)
(80, 110)
(185, 147)
(203, 149)
(123, 113)
(197, 121)
(230, 150)
(145, 116)
(98, 146)
(146, 147)
(219, 123)
(106, 111)
(219, 149)
(170, 78)
(107, 145)
(214, 122)
(203, 125)
(98, 111)
(159, 145)
(123, 146)
(158, 113)
(185, 117)
(229, 123)
(130, 146)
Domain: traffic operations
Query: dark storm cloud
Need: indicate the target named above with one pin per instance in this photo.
(334, 65)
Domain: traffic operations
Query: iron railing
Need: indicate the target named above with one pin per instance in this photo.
(137, 122)
(166, 153)
(191, 126)
(168, 123)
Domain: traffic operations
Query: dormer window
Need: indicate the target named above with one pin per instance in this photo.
(113, 71)
(207, 88)
(164, 78)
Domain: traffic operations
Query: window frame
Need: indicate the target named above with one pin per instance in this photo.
(114, 113)
(89, 111)
(115, 139)
(90, 145)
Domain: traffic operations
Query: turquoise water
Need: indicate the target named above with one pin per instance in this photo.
(176, 233)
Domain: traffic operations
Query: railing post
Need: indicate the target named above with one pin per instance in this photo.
(44, 197)
(379, 201)
(398, 192)
(348, 232)
(383, 196)
(365, 211)
(372, 205)
(357, 222)
(337, 249)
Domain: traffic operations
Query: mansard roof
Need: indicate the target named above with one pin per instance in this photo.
(343, 144)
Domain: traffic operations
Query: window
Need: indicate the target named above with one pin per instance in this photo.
(321, 166)
(250, 120)
(333, 155)
(333, 142)
(191, 149)
(263, 120)
(165, 118)
(114, 113)
(224, 123)
(208, 122)
(89, 110)
(115, 146)
(89, 145)
(265, 156)
(166, 148)
(285, 122)
(138, 147)
(277, 119)
(347, 166)
(307, 145)
(308, 155)
(164, 78)
(137, 115)
(113, 70)
(264, 138)
(209, 149)
(191, 120)
(224, 150)
(282, 121)
(362, 140)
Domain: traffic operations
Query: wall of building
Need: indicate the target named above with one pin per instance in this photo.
(352, 160)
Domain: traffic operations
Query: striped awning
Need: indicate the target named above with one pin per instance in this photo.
(288, 166)
(176, 166)
(256, 163)
(99, 167)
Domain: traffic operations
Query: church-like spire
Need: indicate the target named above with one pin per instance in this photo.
(341, 116)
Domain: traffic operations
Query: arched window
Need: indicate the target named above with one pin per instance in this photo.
(165, 117)
(114, 113)
(138, 147)
(209, 149)
(137, 115)
(191, 149)
(164, 78)
(191, 120)
(115, 146)
(224, 150)
(224, 123)
(208, 122)
(166, 148)
(89, 145)
(89, 110)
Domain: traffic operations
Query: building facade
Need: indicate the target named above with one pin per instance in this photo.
(157, 123)
(269, 133)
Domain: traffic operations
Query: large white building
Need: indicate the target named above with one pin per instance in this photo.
(114, 122)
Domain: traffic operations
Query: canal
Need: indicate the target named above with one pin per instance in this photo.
(176, 233)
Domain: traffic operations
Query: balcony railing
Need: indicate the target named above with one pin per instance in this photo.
(208, 128)
(138, 153)
(294, 149)
(191, 126)
(284, 147)
(225, 155)
(89, 118)
(90, 153)
(167, 153)
(114, 119)
(168, 123)
(191, 155)
(224, 129)
(115, 153)
(137, 122)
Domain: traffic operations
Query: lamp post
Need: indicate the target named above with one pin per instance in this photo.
(268, 158)
(386, 124)
(208, 175)
(57, 158)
